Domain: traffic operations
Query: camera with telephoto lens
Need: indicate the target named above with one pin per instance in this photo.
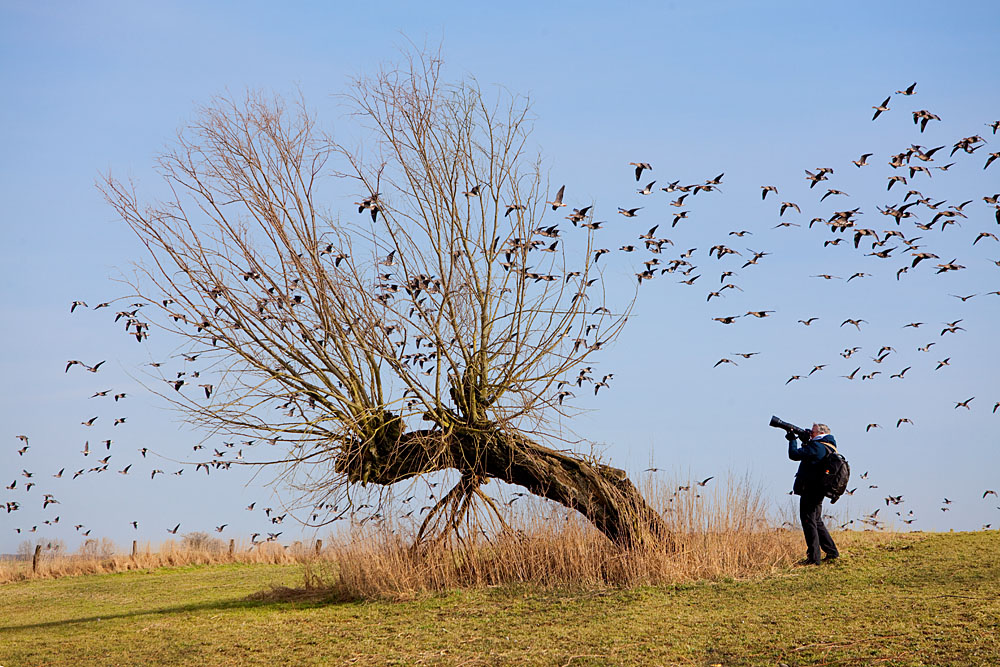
(797, 431)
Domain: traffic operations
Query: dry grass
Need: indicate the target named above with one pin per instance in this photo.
(719, 532)
(168, 554)
(722, 531)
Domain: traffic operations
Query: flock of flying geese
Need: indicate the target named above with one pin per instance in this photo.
(924, 212)
(844, 227)
(921, 211)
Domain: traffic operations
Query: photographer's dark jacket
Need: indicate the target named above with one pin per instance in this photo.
(810, 454)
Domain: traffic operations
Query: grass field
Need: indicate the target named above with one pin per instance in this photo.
(914, 599)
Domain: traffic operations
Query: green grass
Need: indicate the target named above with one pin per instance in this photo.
(911, 600)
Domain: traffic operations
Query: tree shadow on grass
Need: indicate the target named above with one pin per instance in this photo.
(275, 596)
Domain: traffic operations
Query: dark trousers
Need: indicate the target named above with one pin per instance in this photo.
(817, 536)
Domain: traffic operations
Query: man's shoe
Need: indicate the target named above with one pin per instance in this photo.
(806, 561)
(830, 559)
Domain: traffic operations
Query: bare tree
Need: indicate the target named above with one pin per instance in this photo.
(94, 548)
(199, 541)
(441, 326)
(50, 547)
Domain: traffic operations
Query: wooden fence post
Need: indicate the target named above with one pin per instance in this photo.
(232, 548)
(135, 548)
(319, 546)
(34, 559)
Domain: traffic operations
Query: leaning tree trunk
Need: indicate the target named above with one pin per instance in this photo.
(601, 493)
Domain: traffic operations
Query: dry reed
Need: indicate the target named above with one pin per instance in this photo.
(723, 530)
(168, 554)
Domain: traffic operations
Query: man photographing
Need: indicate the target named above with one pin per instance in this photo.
(808, 486)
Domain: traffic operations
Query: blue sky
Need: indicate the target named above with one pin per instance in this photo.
(759, 92)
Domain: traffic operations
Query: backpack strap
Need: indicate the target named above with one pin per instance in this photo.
(827, 444)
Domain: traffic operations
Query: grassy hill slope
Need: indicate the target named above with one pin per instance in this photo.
(914, 599)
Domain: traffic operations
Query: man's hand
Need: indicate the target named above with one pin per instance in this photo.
(790, 437)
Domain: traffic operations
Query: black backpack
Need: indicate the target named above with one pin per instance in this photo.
(833, 474)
